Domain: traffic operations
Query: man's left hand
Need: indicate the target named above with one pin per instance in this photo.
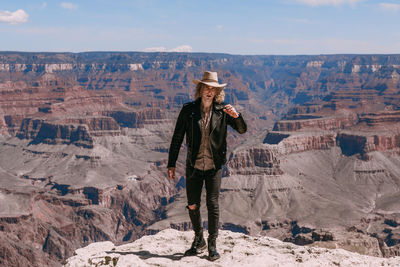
(231, 111)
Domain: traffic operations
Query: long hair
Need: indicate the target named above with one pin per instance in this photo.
(219, 95)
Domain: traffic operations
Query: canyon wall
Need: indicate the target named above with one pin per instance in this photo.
(84, 141)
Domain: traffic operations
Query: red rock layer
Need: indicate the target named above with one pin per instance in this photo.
(360, 144)
(373, 119)
(41, 131)
(332, 123)
(136, 119)
(98, 126)
(300, 143)
(256, 160)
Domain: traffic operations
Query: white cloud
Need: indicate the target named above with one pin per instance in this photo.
(328, 2)
(44, 4)
(219, 27)
(17, 17)
(390, 6)
(181, 48)
(68, 5)
(155, 49)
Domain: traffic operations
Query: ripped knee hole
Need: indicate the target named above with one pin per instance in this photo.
(192, 207)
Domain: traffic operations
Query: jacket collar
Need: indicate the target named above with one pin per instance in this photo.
(217, 115)
(218, 106)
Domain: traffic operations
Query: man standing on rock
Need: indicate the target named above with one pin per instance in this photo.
(204, 121)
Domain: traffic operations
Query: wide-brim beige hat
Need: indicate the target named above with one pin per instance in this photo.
(211, 79)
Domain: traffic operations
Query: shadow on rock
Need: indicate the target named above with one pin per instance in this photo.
(144, 255)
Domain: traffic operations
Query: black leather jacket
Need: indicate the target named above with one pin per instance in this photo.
(189, 123)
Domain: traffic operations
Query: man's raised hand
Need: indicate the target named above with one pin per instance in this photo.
(231, 111)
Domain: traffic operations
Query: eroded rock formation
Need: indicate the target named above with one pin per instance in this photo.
(84, 139)
(40, 131)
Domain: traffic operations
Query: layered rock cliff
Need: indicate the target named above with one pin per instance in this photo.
(136, 119)
(40, 131)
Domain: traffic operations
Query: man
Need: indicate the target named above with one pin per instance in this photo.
(204, 122)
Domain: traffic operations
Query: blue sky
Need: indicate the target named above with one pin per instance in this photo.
(277, 27)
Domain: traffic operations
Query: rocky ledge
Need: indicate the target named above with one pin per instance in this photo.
(166, 249)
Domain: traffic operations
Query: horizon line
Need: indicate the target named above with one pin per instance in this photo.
(216, 53)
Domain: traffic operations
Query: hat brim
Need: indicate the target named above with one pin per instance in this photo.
(213, 84)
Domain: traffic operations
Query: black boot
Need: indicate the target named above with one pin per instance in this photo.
(212, 249)
(198, 245)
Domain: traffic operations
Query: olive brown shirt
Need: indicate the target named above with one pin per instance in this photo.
(204, 160)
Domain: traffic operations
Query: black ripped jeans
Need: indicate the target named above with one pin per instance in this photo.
(194, 184)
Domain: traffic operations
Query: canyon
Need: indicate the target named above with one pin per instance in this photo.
(85, 138)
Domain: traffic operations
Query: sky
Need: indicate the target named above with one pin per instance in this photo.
(247, 27)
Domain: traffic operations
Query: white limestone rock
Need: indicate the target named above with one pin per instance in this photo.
(166, 249)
